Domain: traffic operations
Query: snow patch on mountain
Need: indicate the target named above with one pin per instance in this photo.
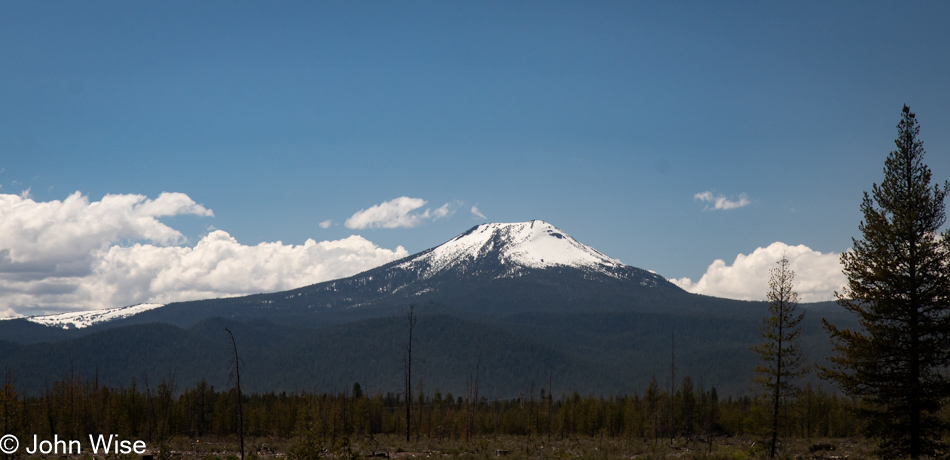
(81, 319)
(534, 244)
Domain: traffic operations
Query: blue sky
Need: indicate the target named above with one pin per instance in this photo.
(606, 119)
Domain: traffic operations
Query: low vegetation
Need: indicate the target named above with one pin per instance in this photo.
(202, 422)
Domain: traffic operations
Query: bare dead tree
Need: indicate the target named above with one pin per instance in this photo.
(407, 370)
(237, 374)
(165, 393)
(473, 400)
(672, 386)
(150, 407)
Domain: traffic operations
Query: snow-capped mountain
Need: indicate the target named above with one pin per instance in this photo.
(83, 319)
(535, 244)
(496, 268)
(520, 299)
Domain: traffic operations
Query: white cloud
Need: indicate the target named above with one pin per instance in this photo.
(326, 224)
(721, 202)
(221, 266)
(817, 275)
(396, 213)
(442, 211)
(477, 213)
(78, 255)
(58, 237)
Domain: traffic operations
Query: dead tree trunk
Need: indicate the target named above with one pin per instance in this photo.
(237, 374)
(407, 371)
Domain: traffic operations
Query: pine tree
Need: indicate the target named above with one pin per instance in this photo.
(780, 349)
(652, 398)
(687, 409)
(10, 410)
(899, 289)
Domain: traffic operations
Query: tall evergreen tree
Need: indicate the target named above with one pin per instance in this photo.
(899, 289)
(652, 398)
(780, 349)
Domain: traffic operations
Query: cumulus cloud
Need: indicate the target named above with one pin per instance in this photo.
(477, 213)
(59, 237)
(817, 275)
(399, 212)
(79, 255)
(721, 202)
(221, 266)
(326, 224)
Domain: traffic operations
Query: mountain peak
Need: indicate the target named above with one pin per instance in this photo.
(534, 244)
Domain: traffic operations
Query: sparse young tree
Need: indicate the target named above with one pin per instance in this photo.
(780, 349)
(687, 406)
(652, 398)
(899, 289)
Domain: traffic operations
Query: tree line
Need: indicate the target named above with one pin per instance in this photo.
(75, 407)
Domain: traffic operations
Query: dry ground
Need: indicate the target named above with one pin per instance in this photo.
(517, 447)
